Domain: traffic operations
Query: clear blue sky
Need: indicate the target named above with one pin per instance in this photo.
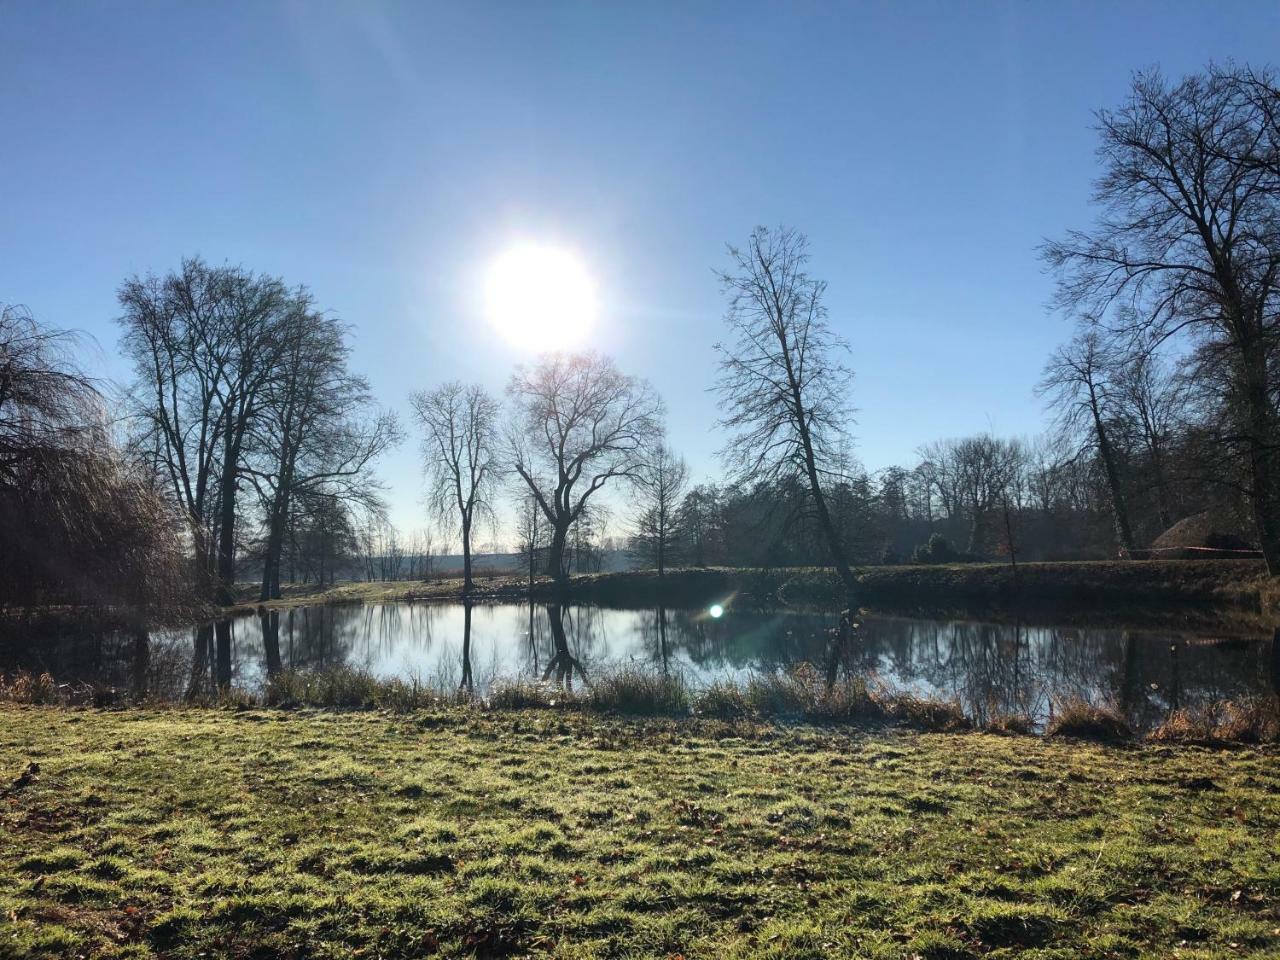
(382, 154)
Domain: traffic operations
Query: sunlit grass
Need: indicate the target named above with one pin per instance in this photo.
(456, 832)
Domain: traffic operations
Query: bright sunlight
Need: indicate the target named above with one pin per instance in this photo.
(540, 298)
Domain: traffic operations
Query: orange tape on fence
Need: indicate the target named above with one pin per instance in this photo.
(1207, 549)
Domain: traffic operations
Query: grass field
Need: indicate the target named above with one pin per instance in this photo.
(215, 833)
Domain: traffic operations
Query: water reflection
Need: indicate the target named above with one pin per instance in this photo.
(987, 667)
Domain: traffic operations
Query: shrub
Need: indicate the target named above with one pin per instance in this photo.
(1235, 721)
(802, 693)
(925, 713)
(26, 687)
(640, 692)
(1250, 721)
(937, 550)
(723, 700)
(1078, 718)
(1184, 726)
(349, 688)
(1009, 724)
(523, 694)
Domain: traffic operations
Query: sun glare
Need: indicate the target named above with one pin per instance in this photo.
(540, 298)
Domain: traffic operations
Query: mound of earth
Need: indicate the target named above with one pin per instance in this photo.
(1201, 537)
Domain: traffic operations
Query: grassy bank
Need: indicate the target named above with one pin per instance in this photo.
(1065, 589)
(458, 832)
(800, 695)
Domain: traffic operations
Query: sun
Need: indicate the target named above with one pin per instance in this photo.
(540, 298)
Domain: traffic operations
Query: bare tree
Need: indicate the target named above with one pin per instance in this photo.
(660, 484)
(318, 433)
(784, 390)
(588, 540)
(577, 424)
(1187, 243)
(974, 475)
(459, 451)
(531, 534)
(1078, 382)
(204, 342)
(1150, 401)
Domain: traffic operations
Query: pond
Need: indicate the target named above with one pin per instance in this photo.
(986, 667)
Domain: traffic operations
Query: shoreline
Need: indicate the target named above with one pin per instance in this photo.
(1201, 593)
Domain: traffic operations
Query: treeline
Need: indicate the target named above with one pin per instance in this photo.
(245, 410)
(247, 442)
(981, 498)
(244, 437)
(1172, 381)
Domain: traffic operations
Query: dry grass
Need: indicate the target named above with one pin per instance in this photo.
(1248, 721)
(923, 713)
(798, 695)
(1086, 721)
(27, 687)
(1010, 724)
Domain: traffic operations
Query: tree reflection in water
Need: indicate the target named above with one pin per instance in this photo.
(468, 683)
(562, 663)
(988, 668)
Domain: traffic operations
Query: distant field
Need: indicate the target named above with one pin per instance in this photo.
(202, 833)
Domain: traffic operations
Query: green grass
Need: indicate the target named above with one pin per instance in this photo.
(459, 832)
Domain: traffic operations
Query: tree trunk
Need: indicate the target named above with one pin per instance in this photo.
(270, 620)
(834, 543)
(1119, 511)
(467, 682)
(270, 589)
(1162, 487)
(222, 662)
(836, 547)
(1262, 479)
(466, 556)
(227, 520)
(975, 533)
(141, 661)
(1275, 661)
(555, 555)
(274, 551)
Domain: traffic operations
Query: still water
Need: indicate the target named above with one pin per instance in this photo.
(984, 666)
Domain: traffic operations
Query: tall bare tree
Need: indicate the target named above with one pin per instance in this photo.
(319, 432)
(1079, 382)
(459, 451)
(784, 390)
(204, 341)
(1187, 243)
(577, 424)
(660, 484)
